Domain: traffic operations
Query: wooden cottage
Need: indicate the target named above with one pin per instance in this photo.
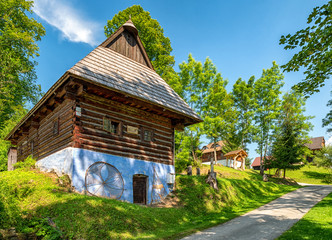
(108, 123)
(256, 164)
(208, 152)
(316, 144)
(234, 159)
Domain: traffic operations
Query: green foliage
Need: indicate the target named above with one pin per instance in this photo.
(316, 224)
(18, 48)
(28, 163)
(9, 124)
(327, 121)
(157, 46)
(323, 158)
(183, 154)
(291, 135)
(248, 162)
(267, 106)
(37, 200)
(315, 43)
(219, 114)
(243, 98)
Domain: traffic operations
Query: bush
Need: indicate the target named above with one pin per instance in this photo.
(28, 163)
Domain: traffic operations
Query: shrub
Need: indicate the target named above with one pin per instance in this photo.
(28, 163)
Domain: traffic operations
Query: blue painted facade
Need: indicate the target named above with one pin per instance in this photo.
(76, 161)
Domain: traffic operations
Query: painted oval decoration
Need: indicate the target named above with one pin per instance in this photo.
(104, 180)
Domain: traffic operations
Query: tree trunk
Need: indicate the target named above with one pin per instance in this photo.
(212, 180)
(215, 152)
(284, 173)
(192, 148)
(261, 169)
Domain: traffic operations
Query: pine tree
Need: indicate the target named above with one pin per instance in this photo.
(288, 150)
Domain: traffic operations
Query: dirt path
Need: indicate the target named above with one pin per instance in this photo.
(271, 220)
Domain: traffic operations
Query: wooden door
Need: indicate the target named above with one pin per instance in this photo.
(139, 188)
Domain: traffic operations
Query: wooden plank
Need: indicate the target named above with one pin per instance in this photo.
(127, 143)
(124, 154)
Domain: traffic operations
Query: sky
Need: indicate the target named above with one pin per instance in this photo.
(241, 37)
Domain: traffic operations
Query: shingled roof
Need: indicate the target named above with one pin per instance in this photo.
(236, 152)
(120, 72)
(116, 71)
(210, 148)
(257, 161)
(316, 143)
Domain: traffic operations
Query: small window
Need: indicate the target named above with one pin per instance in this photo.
(56, 127)
(147, 135)
(20, 150)
(112, 126)
(32, 146)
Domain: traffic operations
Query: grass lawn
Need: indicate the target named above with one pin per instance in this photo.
(308, 174)
(316, 224)
(230, 173)
(30, 201)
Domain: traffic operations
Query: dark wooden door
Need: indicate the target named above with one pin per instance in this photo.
(139, 189)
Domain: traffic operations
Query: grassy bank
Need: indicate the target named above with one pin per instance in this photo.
(316, 224)
(33, 202)
(308, 174)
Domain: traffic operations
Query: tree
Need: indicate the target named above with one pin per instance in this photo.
(157, 46)
(18, 48)
(218, 113)
(315, 43)
(327, 121)
(323, 158)
(195, 79)
(289, 148)
(267, 106)
(243, 98)
(9, 124)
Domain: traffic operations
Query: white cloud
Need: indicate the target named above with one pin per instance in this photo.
(329, 141)
(68, 20)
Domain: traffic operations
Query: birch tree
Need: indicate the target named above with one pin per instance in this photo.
(267, 107)
(243, 98)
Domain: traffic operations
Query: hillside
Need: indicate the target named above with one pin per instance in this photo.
(309, 174)
(35, 203)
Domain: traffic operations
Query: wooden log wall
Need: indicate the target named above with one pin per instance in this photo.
(126, 44)
(41, 141)
(89, 132)
(206, 157)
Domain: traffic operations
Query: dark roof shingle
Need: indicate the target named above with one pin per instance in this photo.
(316, 143)
(118, 72)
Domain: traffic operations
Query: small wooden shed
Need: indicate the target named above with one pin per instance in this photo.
(208, 152)
(110, 117)
(237, 156)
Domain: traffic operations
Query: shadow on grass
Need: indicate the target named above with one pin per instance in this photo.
(324, 177)
(84, 217)
(306, 229)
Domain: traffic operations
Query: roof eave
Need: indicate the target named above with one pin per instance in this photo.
(193, 118)
(49, 93)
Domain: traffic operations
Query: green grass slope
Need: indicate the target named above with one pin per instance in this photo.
(309, 174)
(34, 203)
(316, 224)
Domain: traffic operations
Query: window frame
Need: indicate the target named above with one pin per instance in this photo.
(152, 134)
(56, 127)
(118, 131)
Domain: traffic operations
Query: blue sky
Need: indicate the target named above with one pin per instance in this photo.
(240, 36)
